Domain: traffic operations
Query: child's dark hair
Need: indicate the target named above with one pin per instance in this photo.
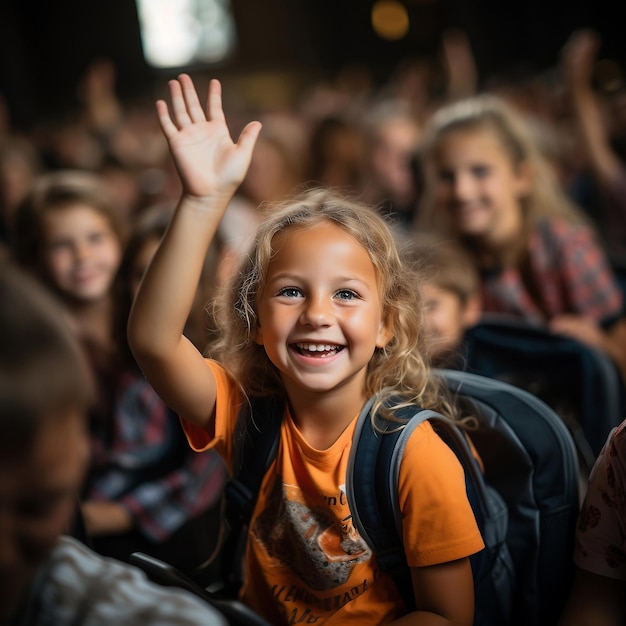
(399, 368)
(42, 369)
(443, 263)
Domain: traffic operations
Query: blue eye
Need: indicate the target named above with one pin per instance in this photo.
(290, 292)
(346, 294)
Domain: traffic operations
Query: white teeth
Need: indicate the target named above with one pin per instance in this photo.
(316, 347)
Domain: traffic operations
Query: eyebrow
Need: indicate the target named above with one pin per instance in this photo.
(296, 277)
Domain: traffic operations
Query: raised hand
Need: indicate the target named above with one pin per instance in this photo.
(209, 163)
(578, 57)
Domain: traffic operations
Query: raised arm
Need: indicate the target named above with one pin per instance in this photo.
(577, 60)
(210, 166)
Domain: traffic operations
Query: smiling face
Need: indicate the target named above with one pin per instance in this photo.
(478, 185)
(81, 252)
(320, 313)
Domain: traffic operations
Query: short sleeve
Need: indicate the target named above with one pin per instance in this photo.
(438, 521)
(227, 407)
(601, 534)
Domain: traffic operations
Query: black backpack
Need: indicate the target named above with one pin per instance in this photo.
(526, 503)
(580, 383)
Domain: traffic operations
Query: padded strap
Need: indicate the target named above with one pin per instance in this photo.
(372, 482)
(257, 436)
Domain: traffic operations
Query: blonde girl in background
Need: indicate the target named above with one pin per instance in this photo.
(321, 315)
(488, 187)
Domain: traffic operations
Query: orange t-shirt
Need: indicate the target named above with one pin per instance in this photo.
(305, 560)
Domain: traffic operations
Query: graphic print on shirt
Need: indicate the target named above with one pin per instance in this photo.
(320, 548)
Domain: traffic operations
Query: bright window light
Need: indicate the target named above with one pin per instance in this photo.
(177, 33)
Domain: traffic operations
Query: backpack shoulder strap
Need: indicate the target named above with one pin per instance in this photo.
(372, 482)
(256, 438)
(371, 478)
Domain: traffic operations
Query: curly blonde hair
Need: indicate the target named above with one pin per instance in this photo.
(398, 369)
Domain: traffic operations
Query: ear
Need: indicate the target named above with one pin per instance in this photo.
(258, 336)
(385, 333)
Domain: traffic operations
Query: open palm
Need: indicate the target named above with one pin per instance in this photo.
(209, 163)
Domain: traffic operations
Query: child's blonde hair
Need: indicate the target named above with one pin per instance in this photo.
(494, 114)
(397, 369)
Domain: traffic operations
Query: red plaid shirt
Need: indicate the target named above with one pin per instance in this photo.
(141, 459)
(570, 271)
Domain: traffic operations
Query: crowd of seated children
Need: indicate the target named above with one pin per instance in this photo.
(146, 490)
(449, 285)
(486, 186)
(482, 188)
(47, 576)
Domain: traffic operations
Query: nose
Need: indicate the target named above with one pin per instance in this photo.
(462, 186)
(317, 311)
(80, 251)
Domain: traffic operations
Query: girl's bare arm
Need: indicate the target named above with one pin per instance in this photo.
(210, 166)
(444, 595)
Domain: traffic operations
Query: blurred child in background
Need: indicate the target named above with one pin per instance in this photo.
(47, 577)
(598, 595)
(70, 233)
(450, 288)
(488, 187)
(146, 490)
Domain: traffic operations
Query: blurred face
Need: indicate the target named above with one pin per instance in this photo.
(391, 157)
(444, 318)
(38, 499)
(81, 252)
(448, 316)
(478, 187)
(320, 312)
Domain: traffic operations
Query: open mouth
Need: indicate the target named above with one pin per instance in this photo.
(318, 350)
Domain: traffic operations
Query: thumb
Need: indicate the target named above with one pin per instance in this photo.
(248, 136)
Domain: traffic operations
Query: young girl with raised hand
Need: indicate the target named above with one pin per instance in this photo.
(322, 314)
(487, 186)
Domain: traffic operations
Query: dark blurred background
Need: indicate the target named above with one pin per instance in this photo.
(45, 45)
